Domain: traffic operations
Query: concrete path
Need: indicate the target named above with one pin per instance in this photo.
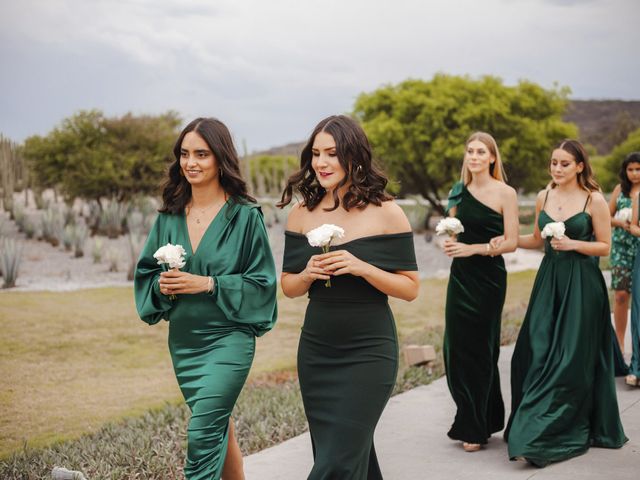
(412, 444)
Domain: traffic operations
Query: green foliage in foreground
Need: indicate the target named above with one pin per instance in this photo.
(418, 129)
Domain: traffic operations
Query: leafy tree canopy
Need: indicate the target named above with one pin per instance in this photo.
(91, 156)
(418, 129)
(613, 161)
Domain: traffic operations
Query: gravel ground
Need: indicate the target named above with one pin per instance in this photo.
(50, 268)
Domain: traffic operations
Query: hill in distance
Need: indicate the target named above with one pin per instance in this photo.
(602, 124)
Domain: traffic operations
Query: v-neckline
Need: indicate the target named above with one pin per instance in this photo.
(206, 230)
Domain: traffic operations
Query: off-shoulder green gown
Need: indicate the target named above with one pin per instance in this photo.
(562, 376)
(212, 336)
(348, 355)
(475, 297)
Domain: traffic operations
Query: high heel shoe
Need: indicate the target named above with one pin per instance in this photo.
(471, 447)
(632, 381)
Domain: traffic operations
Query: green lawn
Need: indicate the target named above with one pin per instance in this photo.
(73, 361)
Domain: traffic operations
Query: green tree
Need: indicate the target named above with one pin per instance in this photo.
(94, 157)
(608, 175)
(418, 129)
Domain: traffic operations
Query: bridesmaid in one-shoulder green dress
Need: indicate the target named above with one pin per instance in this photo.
(348, 350)
(562, 375)
(225, 294)
(476, 293)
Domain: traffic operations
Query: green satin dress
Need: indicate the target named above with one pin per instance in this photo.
(634, 368)
(212, 336)
(348, 355)
(562, 374)
(473, 310)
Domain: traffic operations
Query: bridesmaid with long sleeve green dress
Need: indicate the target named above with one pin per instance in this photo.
(224, 294)
(476, 291)
(562, 378)
(348, 350)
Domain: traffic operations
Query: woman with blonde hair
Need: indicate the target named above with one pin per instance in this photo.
(562, 376)
(487, 207)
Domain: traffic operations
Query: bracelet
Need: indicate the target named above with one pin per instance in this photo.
(210, 285)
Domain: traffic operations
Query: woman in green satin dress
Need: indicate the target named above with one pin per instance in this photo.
(486, 207)
(348, 350)
(562, 377)
(223, 297)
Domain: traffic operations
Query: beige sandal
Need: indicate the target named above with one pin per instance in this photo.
(471, 447)
(632, 381)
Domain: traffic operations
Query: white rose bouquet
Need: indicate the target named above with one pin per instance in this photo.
(172, 256)
(553, 229)
(624, 214)
(449, 226)
(322, 237)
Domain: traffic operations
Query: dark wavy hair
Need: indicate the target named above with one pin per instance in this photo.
(625, 183)
(366, 182)
(176, 193)
(586, 179)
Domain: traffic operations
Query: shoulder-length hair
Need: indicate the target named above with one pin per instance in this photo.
(586, 180)
(625, 183)
(176, 193)
(496, 169)
(365, 181)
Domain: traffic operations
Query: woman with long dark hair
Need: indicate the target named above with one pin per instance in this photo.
(562, 373)
(348, 351)
(486, 206)
(220, 300)
(623, 243)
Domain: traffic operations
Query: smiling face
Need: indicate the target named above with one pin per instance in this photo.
(325, 163)
(477, 157)
(563, 167)
(197, 161)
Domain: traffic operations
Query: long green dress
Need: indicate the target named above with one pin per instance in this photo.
(562, 379)
(634, 368)
(475, 297)
(348, 355)
(212, 336)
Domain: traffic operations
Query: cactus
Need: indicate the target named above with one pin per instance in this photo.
(10, 258)
(8, 162)
(96, 251)
(112, 218)
(80, 239)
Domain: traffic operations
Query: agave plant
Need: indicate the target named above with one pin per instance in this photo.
(10, 258)
(113, 217)
(136, 243)
(96, 251)
(80, 239)
(52, 226)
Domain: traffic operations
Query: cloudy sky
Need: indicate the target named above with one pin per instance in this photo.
(272, 69)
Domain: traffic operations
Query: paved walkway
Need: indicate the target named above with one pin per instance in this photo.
(412, 444)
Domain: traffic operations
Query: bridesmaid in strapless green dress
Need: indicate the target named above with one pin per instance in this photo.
(476, 293)
(225, 294)
(562, 378)
(348, 350)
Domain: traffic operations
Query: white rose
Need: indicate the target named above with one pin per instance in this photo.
(324, 235)
(449, 226)
(173, 255)
(553, 229)
(624, 214)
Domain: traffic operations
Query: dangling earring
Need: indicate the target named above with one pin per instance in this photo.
(221, 173)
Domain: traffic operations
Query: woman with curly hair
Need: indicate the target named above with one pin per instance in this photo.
(348, 350)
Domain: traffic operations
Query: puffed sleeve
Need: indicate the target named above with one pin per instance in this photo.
(249, 297)
(152, 305)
